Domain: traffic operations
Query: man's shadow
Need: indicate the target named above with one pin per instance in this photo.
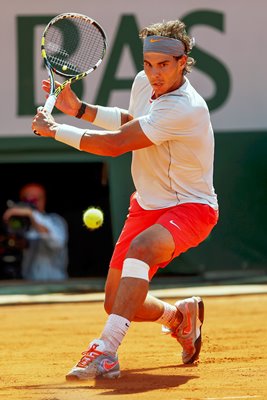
(132, 381)
(141, 381)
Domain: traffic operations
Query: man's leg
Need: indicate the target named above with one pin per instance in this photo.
(101, 357)
(173, 318)
(183, 320)
(129, 301)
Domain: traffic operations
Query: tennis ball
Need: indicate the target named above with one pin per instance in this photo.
(64, 68)
(93, 218)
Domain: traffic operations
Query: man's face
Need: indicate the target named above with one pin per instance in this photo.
(164, 72)
(34, 195)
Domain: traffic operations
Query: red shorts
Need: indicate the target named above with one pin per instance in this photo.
(189, 223)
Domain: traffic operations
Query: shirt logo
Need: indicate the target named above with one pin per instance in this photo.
(173, 223)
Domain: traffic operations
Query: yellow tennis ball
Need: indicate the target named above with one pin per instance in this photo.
(64, 68)
(93, 218)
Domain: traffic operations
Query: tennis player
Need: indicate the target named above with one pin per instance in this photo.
(174, 207)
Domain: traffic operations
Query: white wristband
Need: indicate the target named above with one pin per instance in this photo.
(69, 135)
(108, 118)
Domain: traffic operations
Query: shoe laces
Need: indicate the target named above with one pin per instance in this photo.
(89, 356)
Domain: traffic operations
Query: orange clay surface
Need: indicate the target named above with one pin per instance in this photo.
(40, 343)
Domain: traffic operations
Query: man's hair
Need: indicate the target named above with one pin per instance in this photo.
(173, 29)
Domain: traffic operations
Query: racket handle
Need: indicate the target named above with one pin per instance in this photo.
(50, 103)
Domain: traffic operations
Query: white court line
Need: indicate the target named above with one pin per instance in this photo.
(229, 398)
(225, 290)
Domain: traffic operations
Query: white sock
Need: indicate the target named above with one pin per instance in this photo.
(114, 332)
(169, 316)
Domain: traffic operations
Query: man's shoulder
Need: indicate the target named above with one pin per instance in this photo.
(53, 217)
(141, 83)
(141, 77)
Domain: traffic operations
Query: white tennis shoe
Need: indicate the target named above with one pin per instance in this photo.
(188, 333)
(95, 363)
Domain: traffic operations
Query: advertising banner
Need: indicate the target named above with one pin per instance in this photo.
(230, 71)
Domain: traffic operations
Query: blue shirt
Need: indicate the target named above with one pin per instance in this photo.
(46, 256)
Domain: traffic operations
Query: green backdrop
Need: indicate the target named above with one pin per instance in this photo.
(237, 245)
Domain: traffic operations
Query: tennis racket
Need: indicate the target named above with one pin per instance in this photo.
(73, 45)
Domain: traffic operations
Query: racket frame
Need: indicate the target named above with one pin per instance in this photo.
(54, 92)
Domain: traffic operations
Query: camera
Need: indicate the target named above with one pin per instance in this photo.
(18, 225)
(12, 242)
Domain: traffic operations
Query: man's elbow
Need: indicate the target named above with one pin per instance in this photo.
(117, 151)
(117, 148)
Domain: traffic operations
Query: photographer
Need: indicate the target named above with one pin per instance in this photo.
(45, 254)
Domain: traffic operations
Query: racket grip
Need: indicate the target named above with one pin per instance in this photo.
(50, 103)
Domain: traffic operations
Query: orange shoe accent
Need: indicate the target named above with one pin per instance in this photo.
(89, 356)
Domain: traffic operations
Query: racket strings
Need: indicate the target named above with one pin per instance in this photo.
(74, 46)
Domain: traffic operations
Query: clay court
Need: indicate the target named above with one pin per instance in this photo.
(41, 342)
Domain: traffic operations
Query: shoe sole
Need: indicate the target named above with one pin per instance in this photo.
(198, 342)
(75, 378)
(72, 378)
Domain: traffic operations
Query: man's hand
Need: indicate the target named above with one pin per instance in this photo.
(43, 124)
(17, 212)
(67, 101)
